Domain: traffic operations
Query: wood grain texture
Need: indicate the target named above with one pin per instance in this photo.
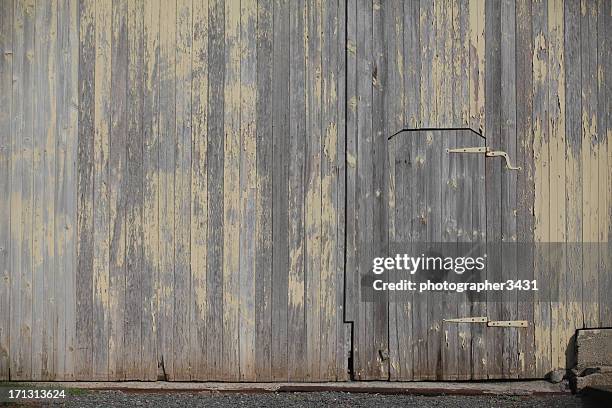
(66, 228)
(509, 253)
(6, 83)
(134, 262)
(195, 190)
(182, 190)
(604, 18)
(198, 311)
(299, 360)
(264, 154)
(150, 283)
(280, 190)
(85, 193)
(215, 153)
(248, 187)
(525, 181)
(231, 193)
(44, 188)
(22, 206)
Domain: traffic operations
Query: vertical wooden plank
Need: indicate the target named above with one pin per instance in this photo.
(263, 127)
(573, 173)
(85, 192)
(134, 189)
(329, 210)
(393, 107)
(590, 209)
(280, 174)
(367, 358)
(380, 230)
(182, 191)
(199, 191)
(542, 201)
(343, 329)
(68, 99)
(298, 360)
(420, 206)
(525, 181)
(248, 187)
(560, 332)
(312, 221)
(413, 117)
(508, 185)
(6, 83)
(461, 111)
(44, 179)
(351, 282)
(22, 190)
(494, 178)
(448, 181)
(167, 210)
(231, 192)
(118, 190)
(436, 94)
(605, 159)
(477, 64)
(477, 122)
(215, 159)
(352, 293)
(150, 284)
(102, 112)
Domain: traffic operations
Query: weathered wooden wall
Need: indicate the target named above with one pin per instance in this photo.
(534, 78)
(172, 178)
(172, 190)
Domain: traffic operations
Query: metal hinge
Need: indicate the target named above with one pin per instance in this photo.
(467, 320)
(508, 323)
(488, 153)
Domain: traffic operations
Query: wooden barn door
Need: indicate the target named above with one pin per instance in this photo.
(437, 207)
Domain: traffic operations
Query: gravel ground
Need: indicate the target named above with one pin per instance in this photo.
(117, 399)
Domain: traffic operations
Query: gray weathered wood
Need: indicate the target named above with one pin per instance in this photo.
(6, 80)
(150, 284)
(525, 181)
(299, 362)
(167, 209)
(248, 187)
(604, 19)
(493, 180)
(508, 184)
(44, 188)
(215, 157)
(182, 191)
(85, 193)
(134, 261)
(280, 174)
(198, 311)
(22, 134)
(542, 184)
(118, 193)
(66, 228)
(231, 193)
(263, 281)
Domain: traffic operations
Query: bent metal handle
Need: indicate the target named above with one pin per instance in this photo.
(487, 152)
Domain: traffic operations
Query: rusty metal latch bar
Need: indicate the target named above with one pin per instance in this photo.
(508, 323)
(487, 152)
(467, 320)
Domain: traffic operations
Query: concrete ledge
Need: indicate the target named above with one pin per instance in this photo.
(381, 387)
